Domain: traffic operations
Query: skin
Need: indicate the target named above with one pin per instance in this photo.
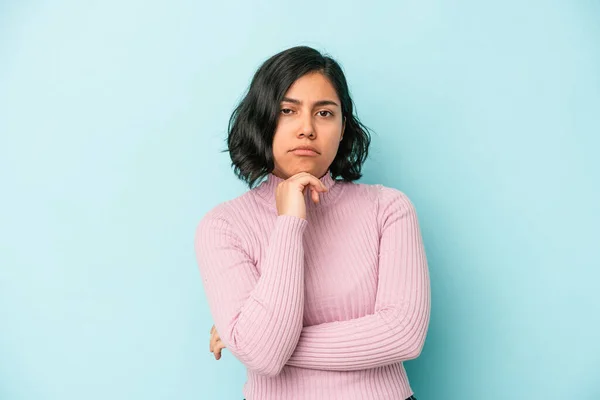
(321, 126)
(302, 121)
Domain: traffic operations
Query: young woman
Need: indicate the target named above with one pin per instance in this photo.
(318, 285)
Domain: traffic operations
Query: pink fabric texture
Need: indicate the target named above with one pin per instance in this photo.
(327, 307)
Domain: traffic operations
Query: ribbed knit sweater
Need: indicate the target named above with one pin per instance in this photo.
(327, 307)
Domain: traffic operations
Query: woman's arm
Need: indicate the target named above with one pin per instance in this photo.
(259, 318)
(397, 329)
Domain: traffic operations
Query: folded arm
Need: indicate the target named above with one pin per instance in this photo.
(397, 329)
(245, 306)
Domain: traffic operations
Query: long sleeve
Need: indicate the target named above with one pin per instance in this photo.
(259, 318)
(397, 329)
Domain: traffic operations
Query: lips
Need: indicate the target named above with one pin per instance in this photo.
(305, 148)
(304, 152)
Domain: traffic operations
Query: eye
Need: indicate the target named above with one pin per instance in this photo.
(325, 111)
(285, 109)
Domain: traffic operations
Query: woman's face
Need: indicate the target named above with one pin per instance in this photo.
(310, 114)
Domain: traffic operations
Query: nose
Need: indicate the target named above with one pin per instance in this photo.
(307, 127)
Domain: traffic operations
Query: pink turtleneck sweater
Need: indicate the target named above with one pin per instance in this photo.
(327, 307)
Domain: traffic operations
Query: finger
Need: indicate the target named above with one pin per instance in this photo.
(315, 195)
(305, 179)
(218, 349)
(213, 343)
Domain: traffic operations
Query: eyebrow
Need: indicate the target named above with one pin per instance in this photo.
(315, 104)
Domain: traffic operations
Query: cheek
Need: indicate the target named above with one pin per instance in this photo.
(332, 147)
(278, 145)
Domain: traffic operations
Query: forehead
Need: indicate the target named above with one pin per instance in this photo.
(312, 86)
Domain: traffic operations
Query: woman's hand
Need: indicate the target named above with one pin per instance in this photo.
(215, 343)
(289, 194)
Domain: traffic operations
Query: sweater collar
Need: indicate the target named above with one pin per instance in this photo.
(266, 190)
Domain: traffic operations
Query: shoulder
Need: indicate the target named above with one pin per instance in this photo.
(217, 218)
(392, 202)
(218, 212)
(227, 210)
(214, 221)
(381, 194)
(230, 217)
(386, 201)
(387, 194)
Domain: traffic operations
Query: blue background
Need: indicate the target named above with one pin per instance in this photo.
(112, 118)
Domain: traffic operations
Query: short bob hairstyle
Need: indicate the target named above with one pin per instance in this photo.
(253, 122)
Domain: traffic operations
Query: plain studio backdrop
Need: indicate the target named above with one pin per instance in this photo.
(112, 118)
